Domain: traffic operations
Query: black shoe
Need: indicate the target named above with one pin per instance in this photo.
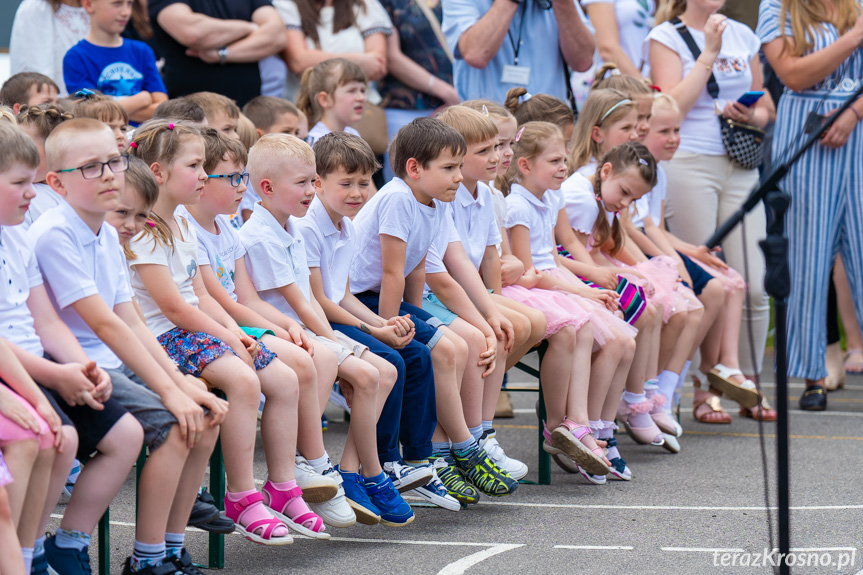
(814, 399)
(203, 511)
(166, 568)
(184, 563)
(220, 524)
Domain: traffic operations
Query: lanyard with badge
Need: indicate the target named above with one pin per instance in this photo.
(513, 73)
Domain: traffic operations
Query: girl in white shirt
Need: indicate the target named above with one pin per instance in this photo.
(204, 340)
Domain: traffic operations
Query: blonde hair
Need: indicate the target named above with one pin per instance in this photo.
(538, 108)
(246, 131)
(7, 114)
(663, 101)
(15, 147)
(601, 107)
(493, 110)
(99, 107)
(264, 111)
(621, 158)
(63, 137)
(532, 140)
(808, 18)
(608, 76)
(140, 179)
(669, 10)
(472, 125)
(268, 156)
(43, 118)
(161, 141)
(325, 77)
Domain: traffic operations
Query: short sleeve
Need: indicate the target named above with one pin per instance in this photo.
(148, 251)
(374, 19)
(396, 216)
(666, 35)
(156, 6)
(75, 72)
(203, 251)
(255, 4)
(265, 262)
(768, 21)
(314, 244)
(290, 14)
(517, 213)
(581, 207)
(458, 16)
(25, 52)
(63, 268)
(152, 78)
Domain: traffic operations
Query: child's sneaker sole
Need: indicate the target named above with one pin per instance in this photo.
(364, 516)
(391, 524)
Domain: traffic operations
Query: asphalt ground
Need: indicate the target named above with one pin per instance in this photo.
(700, 511)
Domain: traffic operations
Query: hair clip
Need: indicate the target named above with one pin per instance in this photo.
(526, 96)
(84, 93)
(151, 224)
(642, 161)
(654, 88)
(171, 126)
(133, 145)
(484, 111)
(518, 136)
(612, 72)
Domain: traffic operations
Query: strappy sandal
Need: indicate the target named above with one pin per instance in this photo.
(746, 393)
(571, 438)
(647, 435)
(761, 412)
(305, 522)
(261, 530)
(855, 367)
(715, 406)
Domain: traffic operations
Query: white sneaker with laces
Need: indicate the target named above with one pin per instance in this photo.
(435, 492)
(337, 511)
(316, 487)
(515, 468)
(406, 477)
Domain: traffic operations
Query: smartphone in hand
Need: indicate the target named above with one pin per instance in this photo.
(749, 98)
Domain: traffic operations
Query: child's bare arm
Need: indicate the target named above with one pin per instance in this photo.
(414, 284)
(489, 269)
(306, 310)
(393, 276)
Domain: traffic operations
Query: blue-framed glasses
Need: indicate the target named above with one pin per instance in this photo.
(233, 179)
(94, 170)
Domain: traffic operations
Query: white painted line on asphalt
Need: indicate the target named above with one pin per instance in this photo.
(440, 543)
(465, 563)
(820, 549)
(595, 547)
(669, 507)
(702, 550)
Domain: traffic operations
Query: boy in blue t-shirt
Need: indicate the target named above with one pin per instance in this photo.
(116, 66)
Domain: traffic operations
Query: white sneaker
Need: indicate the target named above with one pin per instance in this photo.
(406, 477)
(435, 492)
(316, 487)
(337, 511)
(515, 468)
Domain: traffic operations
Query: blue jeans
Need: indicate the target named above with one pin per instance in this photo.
(409, 416)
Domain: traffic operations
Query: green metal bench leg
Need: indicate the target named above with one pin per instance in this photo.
(217, 488)
(104, 540)
(544, 459)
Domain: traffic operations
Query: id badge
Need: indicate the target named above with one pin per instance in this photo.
(515, 75)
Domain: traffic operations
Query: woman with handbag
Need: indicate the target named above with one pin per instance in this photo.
(420, 66)
(814, 47)
(706, 61)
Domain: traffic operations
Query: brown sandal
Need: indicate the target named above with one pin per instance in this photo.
(715, 406)
(761, 412)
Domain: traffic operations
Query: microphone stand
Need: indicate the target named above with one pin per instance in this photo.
(777, 283)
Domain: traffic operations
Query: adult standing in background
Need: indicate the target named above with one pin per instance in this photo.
(42, 32)
(814, 47)
(420, 66)
(215, 45)
(620, 27)
(501, 44)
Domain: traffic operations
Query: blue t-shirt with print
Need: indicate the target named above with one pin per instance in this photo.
(122, 71)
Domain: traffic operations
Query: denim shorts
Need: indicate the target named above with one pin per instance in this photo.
(144, 404)
(435, 307)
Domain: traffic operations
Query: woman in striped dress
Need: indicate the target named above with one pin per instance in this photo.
(814, 47)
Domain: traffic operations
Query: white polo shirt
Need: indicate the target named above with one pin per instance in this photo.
(219, 251)
(438, 247)
(181, 261)
(320, 130)
(393, 211)
(275, 257)
(328, 248)
(539, 217)
(475, 221)
(76, 263)
(580, 201)
(19, 273)
(45, 199)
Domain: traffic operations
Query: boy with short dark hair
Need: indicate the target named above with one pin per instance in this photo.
(394, 233)
(28, 89)
(181, 109)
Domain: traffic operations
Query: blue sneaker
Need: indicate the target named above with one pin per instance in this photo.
(64, 561)
(395, 512)
(355, 492)
(435, 492)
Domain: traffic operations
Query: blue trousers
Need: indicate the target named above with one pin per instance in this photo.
(825, 218)
(409, 415)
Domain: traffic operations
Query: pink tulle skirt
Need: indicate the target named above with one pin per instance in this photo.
(606, 325)
(730, 278)
(559, 310)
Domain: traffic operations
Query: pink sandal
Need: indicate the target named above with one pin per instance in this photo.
(638, 423)
(288, 505)
(572, 439)
(262, 526)
(662, 418)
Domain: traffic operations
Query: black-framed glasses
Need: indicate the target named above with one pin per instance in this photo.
(94, 170)
(233, 179)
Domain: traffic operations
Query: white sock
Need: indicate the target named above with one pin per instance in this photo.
(667, 382)
(27, 552)
(321, 463)
(631, 398)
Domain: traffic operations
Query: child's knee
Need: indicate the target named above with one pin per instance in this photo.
(279, 382)
(713, 293)
(567, 335)
(70, 439)
(326, 365)
(521, 328)
(365, 378)
(460, 347)
(629, 346)
(388, 377)
(126, 435)
(444, 352)
(677, 321)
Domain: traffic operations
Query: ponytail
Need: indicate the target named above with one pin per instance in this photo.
(325, 77)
